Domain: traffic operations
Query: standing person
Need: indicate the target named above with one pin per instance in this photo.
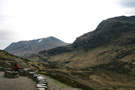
(15, 67)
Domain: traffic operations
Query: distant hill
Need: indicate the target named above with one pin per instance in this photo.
(33, 46)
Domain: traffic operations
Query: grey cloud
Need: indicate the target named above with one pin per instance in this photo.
(127, 3)
(5, 34)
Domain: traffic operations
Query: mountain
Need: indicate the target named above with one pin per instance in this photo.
(103, 59)
(33, 46)
(107, 32)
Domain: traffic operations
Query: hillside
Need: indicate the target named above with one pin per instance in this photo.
(101, 59)
(33, 46)
(6, 59)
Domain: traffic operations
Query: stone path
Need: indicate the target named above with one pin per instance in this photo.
(21, 83)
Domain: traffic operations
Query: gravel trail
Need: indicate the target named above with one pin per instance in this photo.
(21, 83)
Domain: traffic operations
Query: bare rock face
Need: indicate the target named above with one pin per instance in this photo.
(33, 46)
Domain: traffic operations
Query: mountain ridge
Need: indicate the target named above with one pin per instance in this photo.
(108, 30)
(33, 46)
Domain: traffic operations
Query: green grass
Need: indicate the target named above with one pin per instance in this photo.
(60, 84)
(67, 80)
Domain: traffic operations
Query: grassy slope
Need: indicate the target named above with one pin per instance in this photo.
(93, 79)
(6, 58)
(122, 49)
(94, 68)
(96, 56)
(59, 84)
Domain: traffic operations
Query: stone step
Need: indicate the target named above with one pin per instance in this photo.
(41, 78)
(40, 89)
(41, 86)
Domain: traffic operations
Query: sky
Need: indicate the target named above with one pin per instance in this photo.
(63, 19)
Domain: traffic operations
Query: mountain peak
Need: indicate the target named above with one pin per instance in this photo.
(107, 31)
(116, 20)
(33, 46)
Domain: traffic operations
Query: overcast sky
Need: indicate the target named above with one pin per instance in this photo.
(63, 19)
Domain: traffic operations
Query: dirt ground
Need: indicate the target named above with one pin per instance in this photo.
(21, 83)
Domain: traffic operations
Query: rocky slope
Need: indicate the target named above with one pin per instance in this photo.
(33, 46)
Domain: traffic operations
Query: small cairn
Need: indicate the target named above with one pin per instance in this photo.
(11, 74)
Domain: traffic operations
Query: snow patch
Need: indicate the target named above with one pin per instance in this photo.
(40, 40)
